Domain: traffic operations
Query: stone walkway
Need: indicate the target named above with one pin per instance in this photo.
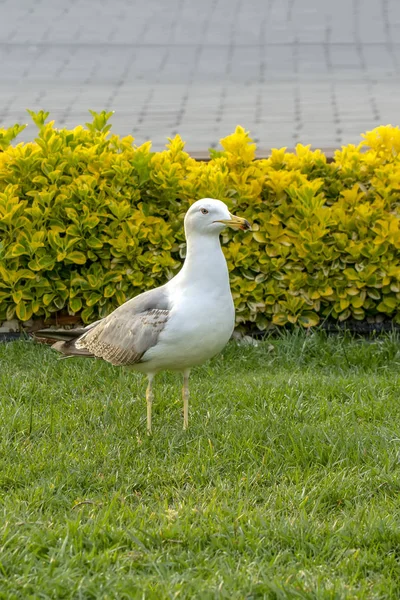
(315, 71)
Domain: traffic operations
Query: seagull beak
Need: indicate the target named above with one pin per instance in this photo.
(236, 223)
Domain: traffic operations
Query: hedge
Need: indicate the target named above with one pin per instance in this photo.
(88, 220)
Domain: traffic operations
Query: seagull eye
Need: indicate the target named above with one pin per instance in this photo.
(204, 211)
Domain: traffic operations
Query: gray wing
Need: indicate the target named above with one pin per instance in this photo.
(127, 333)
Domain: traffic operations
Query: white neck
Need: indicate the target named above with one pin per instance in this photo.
(205, 262)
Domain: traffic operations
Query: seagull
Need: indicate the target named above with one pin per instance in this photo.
(176, 326)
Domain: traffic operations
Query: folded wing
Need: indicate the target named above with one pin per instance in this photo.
(126, 334)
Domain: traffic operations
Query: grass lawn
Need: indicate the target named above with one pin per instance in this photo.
(286, 485)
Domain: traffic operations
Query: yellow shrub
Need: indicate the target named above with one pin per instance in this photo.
(87, 220)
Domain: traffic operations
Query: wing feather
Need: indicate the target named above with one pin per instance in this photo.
(125, 335)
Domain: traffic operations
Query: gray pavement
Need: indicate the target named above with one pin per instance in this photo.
(314, 71)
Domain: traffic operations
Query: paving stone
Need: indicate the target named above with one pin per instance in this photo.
(314, 70)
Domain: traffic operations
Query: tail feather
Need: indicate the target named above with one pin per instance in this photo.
(59, 334)
(65, 340)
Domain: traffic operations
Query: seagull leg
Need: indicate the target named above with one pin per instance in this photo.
(185, 396)
(149, 399)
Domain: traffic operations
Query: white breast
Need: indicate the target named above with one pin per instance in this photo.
(198, 328)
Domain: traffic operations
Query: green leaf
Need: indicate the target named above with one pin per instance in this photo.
(76, 257)
(23, 311)
(36, 306)
(374, 294)
(59, 302)
(308, 319)
(91, 221)
(23, 274)
(99, 122)
(280, 319)
(42, 263)
(72, 215)
(39, 117)
(87, 314)
(109, 291)
(79, 281)
(17, 296)
(48, 298)
(112, 276)
(387, 305)
(10, 312)
(93, 298)
(75, 304)
(8, 135)
(54, 240)
(40, 180)
(18, 250)
(74, 231)
(94, 242)
(120, 296)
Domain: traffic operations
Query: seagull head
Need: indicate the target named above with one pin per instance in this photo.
(210, 216)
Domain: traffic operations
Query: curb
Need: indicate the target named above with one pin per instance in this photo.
(203, 156)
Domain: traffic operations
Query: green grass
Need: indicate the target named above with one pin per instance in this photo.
(287, 484)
